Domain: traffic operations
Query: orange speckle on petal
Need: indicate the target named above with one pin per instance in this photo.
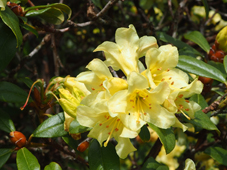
(167, 70)
(149, 107)
(187, 101)
(107, 126)
(172, 83)
(116, 129)
(159, 69)
(187, 109)
(144, 113)
(163, 79)
(92, 88)
(170, 78)
(100, 124)
(118, 119)
(181, 95)
(100, 84)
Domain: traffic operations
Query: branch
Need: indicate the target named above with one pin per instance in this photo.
(95, 16)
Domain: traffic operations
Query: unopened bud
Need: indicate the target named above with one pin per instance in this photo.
(222, 39)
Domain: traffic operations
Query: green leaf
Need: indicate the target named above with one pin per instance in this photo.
(66, 9)
(8, 45)
(183, 47)
(217, 153)
(53, 166)
(200, 68)
(30, 28)
(198, 98)
(151, 164)
(6, 124)
(75, 127)
(2, 4)
(102, 158)
(4, 155)
(12, 21)
(26, 160)
(203, 121)
(62, 7)
(199, 39)
(97, 3)
(12, 93)
(166, 136)
(144, 133)
(205, 4)
(50, 15)
(225, 63)
(70, 141)
(218, 66)
(52, 127)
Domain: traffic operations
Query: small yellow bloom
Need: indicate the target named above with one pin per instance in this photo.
(124, 54)
(222, 39)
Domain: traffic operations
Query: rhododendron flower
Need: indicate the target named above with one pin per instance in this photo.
(94, 113)
(142, 104)
(125, 53)
(71, 93)
(100, 78)
(161, 65)
(178, 99)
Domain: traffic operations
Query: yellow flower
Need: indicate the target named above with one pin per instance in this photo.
(100, 78)
(161, 65)
(94, 113)
(142, 104)
(222, 39)
(125, 53)
(171, 158)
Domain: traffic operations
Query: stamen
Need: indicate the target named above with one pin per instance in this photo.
(187, 109)
(187, 101)
(185, 115)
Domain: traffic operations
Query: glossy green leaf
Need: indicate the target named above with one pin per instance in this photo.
(12, 93)
(6, 124)
(52, 127)
(75, 127)
(200, 68)
(183, 47)
(26, 160)
(205, 4)
(152, 164)
(30, 28)
(97, 3)
(12, 21)
(102, 158)
(198, 98)
(199, 39)
(225, 63)
(50, 15)
(64, 8)
(2, 4)
(166, 136)
(4, 155)
(217, 153)
(144, 133)
(203, 121)
(53, 166)
(71, 142)
(8, 45)
(219, 66)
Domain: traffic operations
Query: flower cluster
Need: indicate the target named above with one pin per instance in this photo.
(117, 107)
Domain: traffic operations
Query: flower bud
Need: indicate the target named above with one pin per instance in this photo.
(222, 39)
(18, 138)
